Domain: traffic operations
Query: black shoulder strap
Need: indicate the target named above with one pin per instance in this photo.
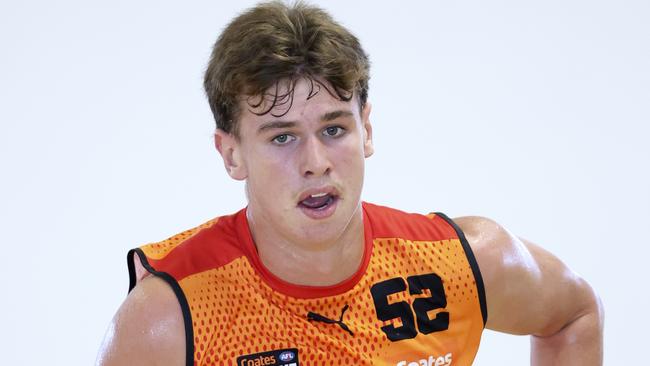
(473, 264)
(171, 281)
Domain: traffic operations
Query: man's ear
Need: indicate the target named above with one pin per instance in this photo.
(230, 149)
(368, 148)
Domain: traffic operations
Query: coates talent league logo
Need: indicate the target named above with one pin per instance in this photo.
(280, 357)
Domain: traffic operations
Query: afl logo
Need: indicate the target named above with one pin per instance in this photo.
(286, 356)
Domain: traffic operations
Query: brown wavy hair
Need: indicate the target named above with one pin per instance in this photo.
(266, 50)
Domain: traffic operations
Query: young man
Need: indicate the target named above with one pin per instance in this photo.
(309, 274)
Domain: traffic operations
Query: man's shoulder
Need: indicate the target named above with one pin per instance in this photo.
(148, 328)
(392, 222)
(486, 236)
(215, 228)
(212, 244)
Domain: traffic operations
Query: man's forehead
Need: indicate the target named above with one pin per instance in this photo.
(293, 99)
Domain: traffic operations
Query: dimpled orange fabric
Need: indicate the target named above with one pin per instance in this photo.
(417, 298)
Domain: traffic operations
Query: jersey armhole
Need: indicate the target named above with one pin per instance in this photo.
(480, 288)
(138, 269)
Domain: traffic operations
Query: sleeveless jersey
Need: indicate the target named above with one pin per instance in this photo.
(417, 298)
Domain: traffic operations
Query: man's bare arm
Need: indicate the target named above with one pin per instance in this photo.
(530, 291)
(147, 329)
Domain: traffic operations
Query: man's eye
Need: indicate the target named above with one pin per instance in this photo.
(333, 131)
(282, 139)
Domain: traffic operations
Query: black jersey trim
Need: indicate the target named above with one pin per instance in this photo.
(473, 264)
(182, 300)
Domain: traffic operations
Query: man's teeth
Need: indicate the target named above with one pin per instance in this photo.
(318, 195)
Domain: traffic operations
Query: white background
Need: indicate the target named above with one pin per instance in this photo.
(535, 114)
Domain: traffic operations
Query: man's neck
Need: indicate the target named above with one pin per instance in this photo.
(322, 264)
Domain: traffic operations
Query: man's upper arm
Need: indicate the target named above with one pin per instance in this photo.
(147, 329)
(528, 290)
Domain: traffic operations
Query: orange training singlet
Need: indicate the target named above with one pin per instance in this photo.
(417, 298)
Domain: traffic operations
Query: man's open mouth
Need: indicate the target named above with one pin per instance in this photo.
(318, 201)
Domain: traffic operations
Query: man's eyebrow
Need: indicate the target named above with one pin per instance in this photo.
(273, 125)
(330, 116)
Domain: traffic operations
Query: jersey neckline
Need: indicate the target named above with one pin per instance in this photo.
(296, 290)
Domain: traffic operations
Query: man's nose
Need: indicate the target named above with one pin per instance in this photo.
(314, 158)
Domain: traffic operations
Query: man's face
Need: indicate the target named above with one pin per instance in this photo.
(304, 170)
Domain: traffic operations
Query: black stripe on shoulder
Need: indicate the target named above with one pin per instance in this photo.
(182, 300)
(472, 262)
